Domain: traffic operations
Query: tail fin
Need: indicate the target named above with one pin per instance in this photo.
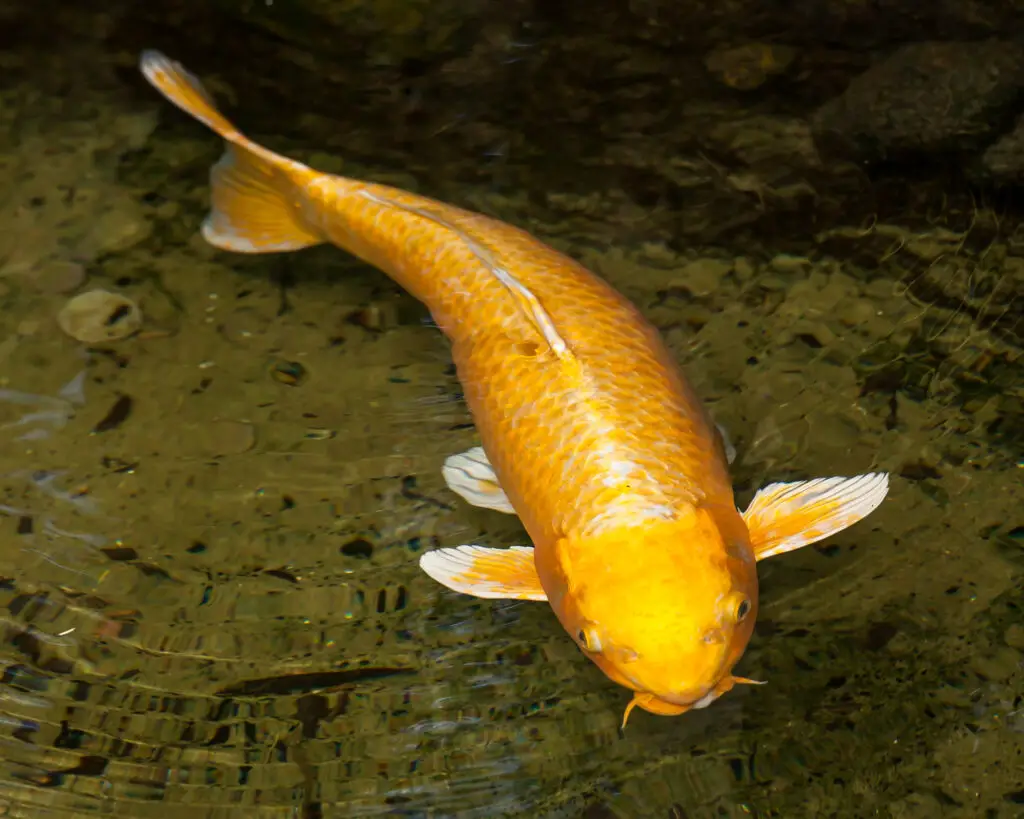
(257, 195)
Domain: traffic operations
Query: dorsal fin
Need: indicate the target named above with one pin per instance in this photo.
(525, 298)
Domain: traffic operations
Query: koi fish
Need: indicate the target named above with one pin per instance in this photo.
(589, 431)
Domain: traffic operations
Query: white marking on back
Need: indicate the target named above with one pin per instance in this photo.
(621, 472)
(538, 316)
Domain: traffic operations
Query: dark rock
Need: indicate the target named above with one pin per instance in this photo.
(632, 112)
(926, 98)
(1003, 162)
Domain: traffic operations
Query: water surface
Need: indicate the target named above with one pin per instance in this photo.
(210, 530)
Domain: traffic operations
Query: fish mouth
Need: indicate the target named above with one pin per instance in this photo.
(667, 706)
(654, 705)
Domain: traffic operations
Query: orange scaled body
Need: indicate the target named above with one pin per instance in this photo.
(589, 432)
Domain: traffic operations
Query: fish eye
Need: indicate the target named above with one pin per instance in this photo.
(743, 609)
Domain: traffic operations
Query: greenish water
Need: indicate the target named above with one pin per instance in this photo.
(210, 599)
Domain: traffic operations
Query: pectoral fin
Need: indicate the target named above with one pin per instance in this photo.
(785, 516)
(471, 476)
(482, 572)
(727, 448)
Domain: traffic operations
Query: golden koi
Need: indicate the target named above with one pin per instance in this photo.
(589, 431)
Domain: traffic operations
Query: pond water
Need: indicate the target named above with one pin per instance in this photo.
(210, 529)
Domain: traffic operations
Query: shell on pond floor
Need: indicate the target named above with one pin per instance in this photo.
(99, 315)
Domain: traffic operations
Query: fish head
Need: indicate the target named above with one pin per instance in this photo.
(665, 609)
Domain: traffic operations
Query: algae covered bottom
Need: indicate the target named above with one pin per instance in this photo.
(210, 528)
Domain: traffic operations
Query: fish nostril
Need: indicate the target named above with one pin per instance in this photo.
(713, 636)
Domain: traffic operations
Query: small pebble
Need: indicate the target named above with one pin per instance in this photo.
(168, 210)
(58, 277)
(814, 334)
(786, 263)
(747, 66)
(881, 289)
(377, 317)
(702, 276)
(658, 254)
(948, 695)
(370, 317)
(743, 268)
(118, 229)
(855, 312)
(998, 666)
(1014, 636)
(98, 316)
(291, 373)
(927, 249)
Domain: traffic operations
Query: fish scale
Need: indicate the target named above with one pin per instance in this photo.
(590, 432)
(544, 452)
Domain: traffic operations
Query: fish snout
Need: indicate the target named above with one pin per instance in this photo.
(712, 693)
(687, 698)
(670, 705)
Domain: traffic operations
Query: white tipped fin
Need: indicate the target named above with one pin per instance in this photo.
(490, 573)
(471, 476)
(786, 516)
(727, 447)
(258, 200)
(184, 89)
(256, 207)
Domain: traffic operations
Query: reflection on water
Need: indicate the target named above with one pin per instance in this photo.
(208, 583)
